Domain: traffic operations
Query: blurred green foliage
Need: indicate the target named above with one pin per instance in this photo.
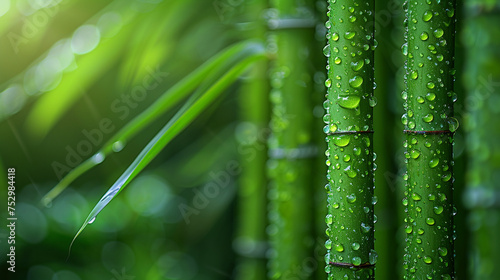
(73, 72)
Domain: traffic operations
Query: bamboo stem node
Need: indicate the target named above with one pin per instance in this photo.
(350, 265)
(291, 23)
(428, 132)
(305, 151)
(344, 132)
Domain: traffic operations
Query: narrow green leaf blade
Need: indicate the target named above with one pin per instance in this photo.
(177, 124)
(216, 66)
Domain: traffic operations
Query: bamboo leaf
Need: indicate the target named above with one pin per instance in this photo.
(193, 108)
(215, 66)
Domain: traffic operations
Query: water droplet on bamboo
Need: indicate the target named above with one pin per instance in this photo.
(356, 81)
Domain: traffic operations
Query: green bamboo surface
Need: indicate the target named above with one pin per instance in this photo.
(349, 126)
(429, 127)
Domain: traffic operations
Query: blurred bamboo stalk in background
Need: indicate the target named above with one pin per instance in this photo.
(290, 144)
(251, 239)
(481, 38)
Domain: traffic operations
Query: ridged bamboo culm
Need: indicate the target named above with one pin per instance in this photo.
(251, 239)
(429, 126)
(349, 128)
(482, 82)
(291, 33)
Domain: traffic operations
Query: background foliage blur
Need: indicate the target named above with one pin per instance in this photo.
(69, 70)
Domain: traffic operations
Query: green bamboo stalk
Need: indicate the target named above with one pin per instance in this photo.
(290, 150)
(482, 80)
(429, 127)
(319, 167)
(349, 126)
(251, 239)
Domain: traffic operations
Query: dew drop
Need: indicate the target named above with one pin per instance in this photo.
(91, 220)
(405, 202)
(350, 34)
(414, 74)
(372, 257)
(326, 51)
(409, 229)
(98, 158)
(416, 196)
(355, 246)
(335, 36)
(430, 96)
(356, 66)
(427, 16)
(453, 124)
(438, 209)
(342, 140)
(443, 251)
(446, 177)
(428, 118)
(329, 219)
(430, 221)
(427, 259)
(404, 49)
(349, 101)
(424, 36)
(351, 174)
(356, 261)
(433, 162)
(414, 154)
(365, 228)
(438, 33)
(351, 198)
(339, 247)
(404, 119)
(356, 81)
(328, 244)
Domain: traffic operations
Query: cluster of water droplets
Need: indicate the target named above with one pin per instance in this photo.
(429, 207)
(350, 158)
(428, 103)
(350, 63)
(429, 70)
